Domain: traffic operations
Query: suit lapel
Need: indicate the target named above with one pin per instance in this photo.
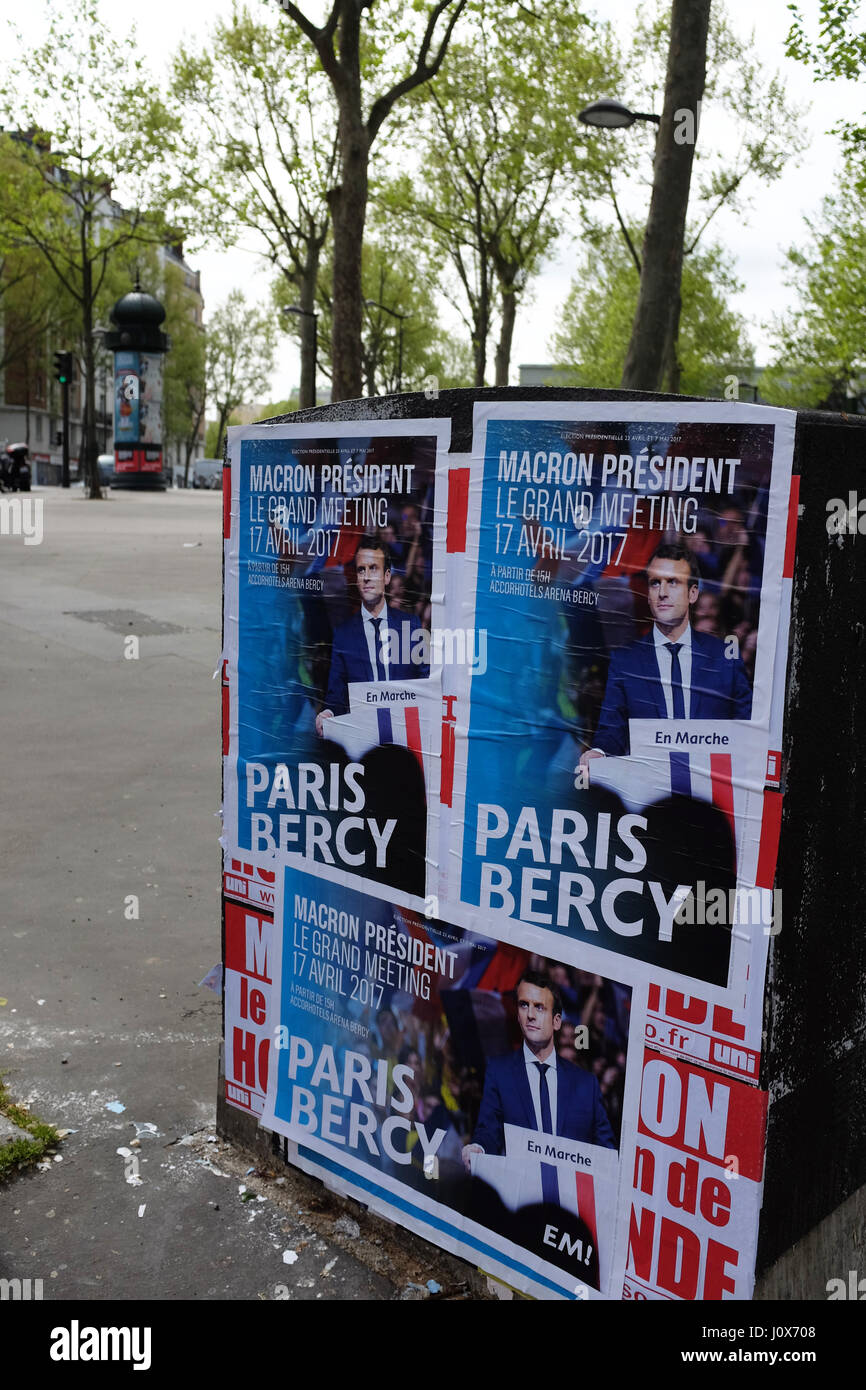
(654, 692)
(365, 649)
(701, 677)
(523, 1092)
(563, 1099)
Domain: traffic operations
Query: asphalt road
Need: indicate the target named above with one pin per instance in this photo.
(110, 801)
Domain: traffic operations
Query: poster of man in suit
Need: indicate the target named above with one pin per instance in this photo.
(629, 566)
(419, 1076)
(329, 586)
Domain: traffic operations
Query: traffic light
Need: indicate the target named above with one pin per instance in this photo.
(63, 367)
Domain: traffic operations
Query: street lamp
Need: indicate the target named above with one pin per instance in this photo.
(612, 115)
(395, 314)
(307, 314)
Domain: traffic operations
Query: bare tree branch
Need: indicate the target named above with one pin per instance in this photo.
(422, 71)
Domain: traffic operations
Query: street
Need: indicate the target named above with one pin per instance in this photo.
(111, 917)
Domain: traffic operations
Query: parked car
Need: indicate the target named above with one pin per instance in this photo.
(207, 473)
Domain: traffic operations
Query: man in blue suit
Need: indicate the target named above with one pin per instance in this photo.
(379, 643)
(673, 672)
(534, 1088)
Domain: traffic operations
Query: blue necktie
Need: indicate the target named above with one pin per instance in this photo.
(546, 1121)
(377, 644)
(549, 1174)
(676, 680)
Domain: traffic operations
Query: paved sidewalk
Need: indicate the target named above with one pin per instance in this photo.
(110, 794)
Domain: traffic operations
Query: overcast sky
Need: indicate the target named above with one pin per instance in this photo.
(758, 241)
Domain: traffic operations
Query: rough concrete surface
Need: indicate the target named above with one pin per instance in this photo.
(10, 1132)
(111, 792)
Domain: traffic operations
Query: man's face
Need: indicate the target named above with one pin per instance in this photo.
(538, 1022)
(372, 577)
(671, 589)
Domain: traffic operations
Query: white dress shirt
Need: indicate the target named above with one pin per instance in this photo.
(664, 660)
(534, 1076)
(370, 634)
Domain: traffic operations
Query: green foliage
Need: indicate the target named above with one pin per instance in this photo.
(87, 108)
(253, 138)
(213, 444)
(738, 90)
(397, 279)
(184, 372)
(836, 50)
(20, 1153)
(240, 359)
(497, 137)
(87, 120)
(270, 409)
(595, 323)
(820, 345)
(373, 56)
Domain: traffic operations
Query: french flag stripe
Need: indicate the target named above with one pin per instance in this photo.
(771, 826)
(721, 775)
(681, 781)
(791, 537)
(586, 1203)
(413, 733)
(549, 1184)
(386, 733)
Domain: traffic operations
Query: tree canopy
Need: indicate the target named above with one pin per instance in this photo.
(498, 145)
(84, 114)
(596, 319)
(253, 147)
(240, 359)
(820, 344)
(373, 56)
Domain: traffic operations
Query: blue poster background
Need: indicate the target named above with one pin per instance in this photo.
(552, 626)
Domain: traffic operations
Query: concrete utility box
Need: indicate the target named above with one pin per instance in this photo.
(640, 670)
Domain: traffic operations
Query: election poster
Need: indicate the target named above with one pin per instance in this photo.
(625, 566)
(500, 870)
(247, 1003)
(333, 725)
(697, 1161)
(402, 1067)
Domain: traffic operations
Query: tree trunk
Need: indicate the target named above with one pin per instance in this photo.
(188, 448)
(481, 330)
(508, 301)
(89, 448)
(663, 243)
(672, 368)
(482, 306)
(348, 203)
(191, 440)
(224, 413)
(309, 333)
